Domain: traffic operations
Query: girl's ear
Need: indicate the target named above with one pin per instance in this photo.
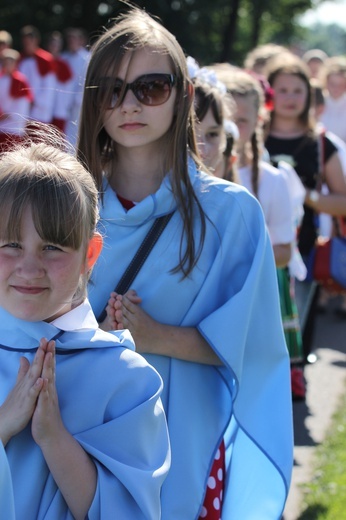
(94, 250)
(190, 90)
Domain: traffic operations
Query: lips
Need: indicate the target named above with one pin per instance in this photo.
(132, 126)
(28, 290)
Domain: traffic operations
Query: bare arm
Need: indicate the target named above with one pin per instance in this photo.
(282, 254)
(333, 203)
(73, 471)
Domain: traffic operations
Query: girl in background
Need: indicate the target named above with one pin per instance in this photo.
(273, 188)
(293, 134)
(16, 101)
(333, 79)
(215, 130)
(206, 313)
(81, 419)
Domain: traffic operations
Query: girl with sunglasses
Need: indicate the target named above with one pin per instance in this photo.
(204, 308)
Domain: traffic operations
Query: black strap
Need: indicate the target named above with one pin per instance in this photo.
(140, 257)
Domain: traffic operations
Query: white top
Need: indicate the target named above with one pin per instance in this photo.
(17, 109)
(78, 62)
(274, 196)
(64, 96)
(43, 88)
(333, 117)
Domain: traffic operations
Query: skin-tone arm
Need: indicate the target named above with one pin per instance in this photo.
(34, 397)
(333, 203)
(152, 337)
(282, 254)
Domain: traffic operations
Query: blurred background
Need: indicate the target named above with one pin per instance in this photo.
(209, 30)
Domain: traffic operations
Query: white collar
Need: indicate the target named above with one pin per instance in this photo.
(79, 318)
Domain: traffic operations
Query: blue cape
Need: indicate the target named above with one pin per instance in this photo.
(232, 298)
(109, 399)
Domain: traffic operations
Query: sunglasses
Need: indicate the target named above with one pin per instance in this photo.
(149, 89)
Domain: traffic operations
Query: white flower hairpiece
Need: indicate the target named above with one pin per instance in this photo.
(231, 129)
(204, 74)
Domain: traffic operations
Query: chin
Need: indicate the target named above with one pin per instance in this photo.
(28, 314)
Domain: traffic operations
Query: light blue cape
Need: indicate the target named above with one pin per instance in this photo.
(232, 298)
(110, 402)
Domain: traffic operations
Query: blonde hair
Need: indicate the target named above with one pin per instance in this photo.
(258, 58)
(240, 84)
(6, 38)
(334, 65)
(61, 194)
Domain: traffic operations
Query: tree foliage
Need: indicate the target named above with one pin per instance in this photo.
(221, 30)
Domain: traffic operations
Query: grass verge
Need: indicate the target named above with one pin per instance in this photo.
(324, 498)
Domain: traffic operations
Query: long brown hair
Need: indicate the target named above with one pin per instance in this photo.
(132, 31)
(287, 63)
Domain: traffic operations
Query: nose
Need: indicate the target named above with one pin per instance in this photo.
(30, 267)
(204, 149)
(202, 146)
(130, 103)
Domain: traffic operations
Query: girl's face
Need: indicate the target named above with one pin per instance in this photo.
(134, 125)
(211, 140)
(38, 279)
(245, 117)
(336, 85)
(290, 96)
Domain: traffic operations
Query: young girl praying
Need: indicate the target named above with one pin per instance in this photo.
(82, 429)
(204, 305)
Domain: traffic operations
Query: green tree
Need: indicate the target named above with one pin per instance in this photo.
(221, 30)
(330, 38)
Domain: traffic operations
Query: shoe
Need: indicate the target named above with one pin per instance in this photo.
(298, 386)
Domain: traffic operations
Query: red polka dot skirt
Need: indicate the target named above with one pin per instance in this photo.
(212, 506)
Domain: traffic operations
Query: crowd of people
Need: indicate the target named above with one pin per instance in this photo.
(177, 222)
(43, 85)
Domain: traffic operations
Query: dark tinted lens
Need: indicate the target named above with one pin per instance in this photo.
(118, 86)
(107, 92)
(153, 89)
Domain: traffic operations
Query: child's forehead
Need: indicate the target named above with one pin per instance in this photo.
(337, 76)
(141, 61)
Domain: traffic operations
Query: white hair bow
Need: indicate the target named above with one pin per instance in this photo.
(204, 74)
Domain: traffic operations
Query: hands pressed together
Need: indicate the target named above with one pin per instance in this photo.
(34, 398)
(153, 337)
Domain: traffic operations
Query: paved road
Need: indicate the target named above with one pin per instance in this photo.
(326, 381)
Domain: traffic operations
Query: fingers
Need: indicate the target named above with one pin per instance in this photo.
(128, 305)
(48, 370)
(35, 369)
(119, 320)
(24, 366)
(133, 296)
